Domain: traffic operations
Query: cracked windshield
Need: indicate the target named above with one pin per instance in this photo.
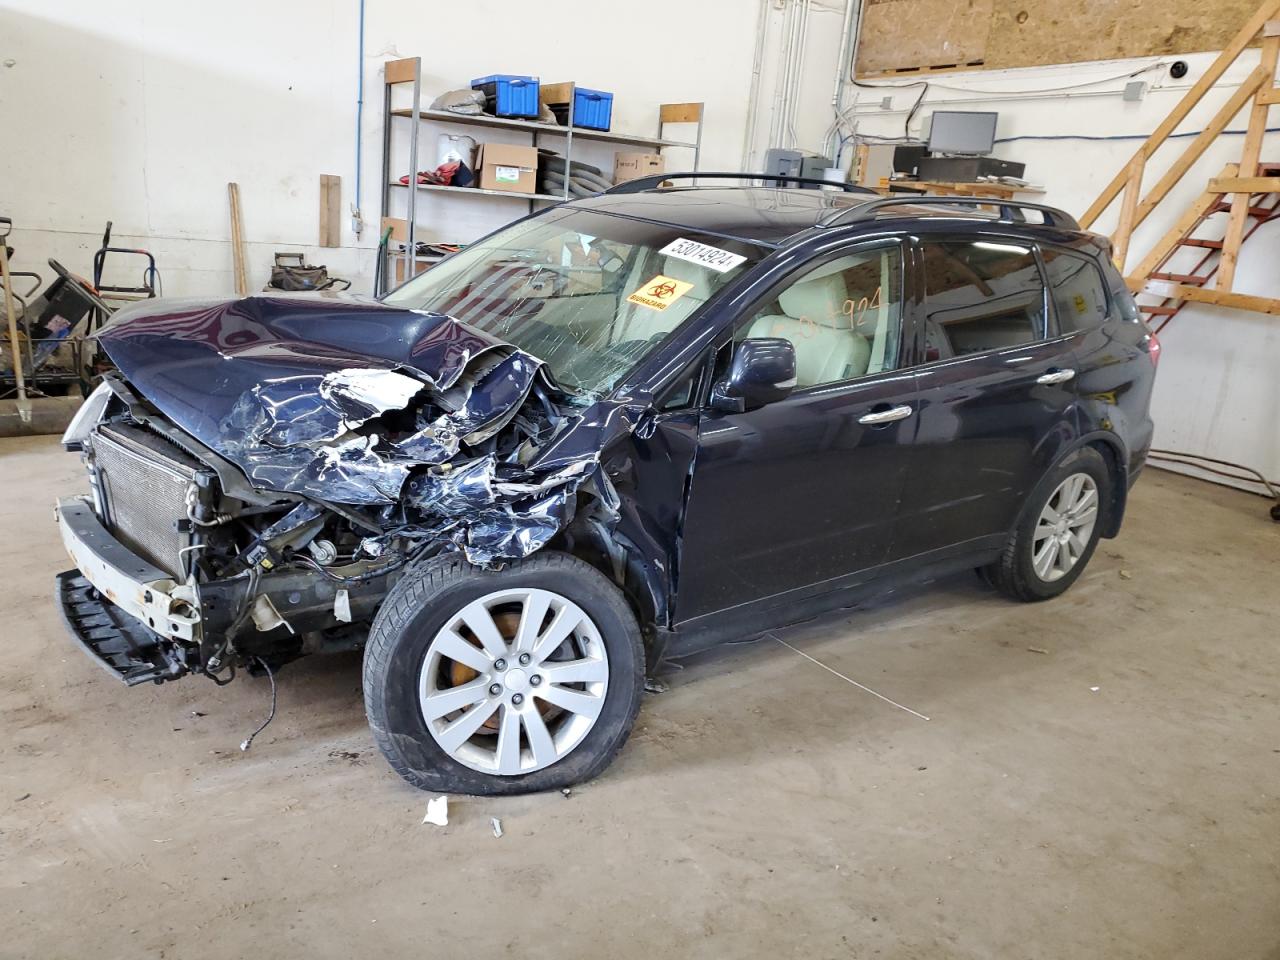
(589, 294)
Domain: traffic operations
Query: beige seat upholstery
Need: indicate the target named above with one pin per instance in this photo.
(645, 324)
(827, 350)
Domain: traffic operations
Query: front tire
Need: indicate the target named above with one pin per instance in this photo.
(506, 682)
(1058, 531)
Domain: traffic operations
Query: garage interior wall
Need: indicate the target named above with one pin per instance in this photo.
(141, 113)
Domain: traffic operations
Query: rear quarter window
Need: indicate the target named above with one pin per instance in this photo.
(1077, 288)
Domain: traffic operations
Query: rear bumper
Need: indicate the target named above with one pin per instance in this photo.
(127, 614)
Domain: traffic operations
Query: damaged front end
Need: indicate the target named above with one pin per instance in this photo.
(264, 470)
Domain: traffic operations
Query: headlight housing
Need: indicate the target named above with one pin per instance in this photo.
(86, 418)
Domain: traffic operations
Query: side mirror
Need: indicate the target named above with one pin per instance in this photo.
(763, 371)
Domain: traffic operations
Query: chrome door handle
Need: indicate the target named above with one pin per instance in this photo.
(1056, 376)
(886, 416)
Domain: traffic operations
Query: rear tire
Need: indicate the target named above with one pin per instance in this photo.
(559, 732)
(1048, 549)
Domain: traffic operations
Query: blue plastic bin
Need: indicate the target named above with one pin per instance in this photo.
(508, 95)
(592, 109)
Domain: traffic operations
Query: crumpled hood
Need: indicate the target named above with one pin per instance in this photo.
(195, 359)
(450, 433)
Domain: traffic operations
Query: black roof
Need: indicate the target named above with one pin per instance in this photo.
(773, 215)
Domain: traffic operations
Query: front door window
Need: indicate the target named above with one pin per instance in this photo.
(844, 318)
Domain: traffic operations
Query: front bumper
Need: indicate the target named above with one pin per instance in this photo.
(128, 614)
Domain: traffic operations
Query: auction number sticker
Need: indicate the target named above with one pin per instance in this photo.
(721, 261)
(660, 292)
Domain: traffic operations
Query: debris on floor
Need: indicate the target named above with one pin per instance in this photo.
(1037, 650)
(1094, 689)
(497, 827)
(437, 811)
(1126, 575)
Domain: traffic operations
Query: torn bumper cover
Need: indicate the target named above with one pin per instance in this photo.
(434, 430)
(120, 608)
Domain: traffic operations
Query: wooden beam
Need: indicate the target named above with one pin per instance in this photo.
(1218, 298)
(679, 112)
(1234, 234)
(1128, 209)
(401, 71)
(1179, 113)
(861, 158)
(237, 241)
(1244, 185)
(1186, 223)
(330, 210)
(1269, 95)
(1198, 146)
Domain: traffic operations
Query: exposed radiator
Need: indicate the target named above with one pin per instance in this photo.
(143, 480)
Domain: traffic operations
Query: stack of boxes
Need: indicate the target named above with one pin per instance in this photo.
(514, 169)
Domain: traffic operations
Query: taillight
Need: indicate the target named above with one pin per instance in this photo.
(1153, 348)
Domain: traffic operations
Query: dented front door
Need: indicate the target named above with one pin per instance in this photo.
(794, 494)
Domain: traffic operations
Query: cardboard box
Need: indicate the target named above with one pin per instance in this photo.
(506, 167)
(629, 166)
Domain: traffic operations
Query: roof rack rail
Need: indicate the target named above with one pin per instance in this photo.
(1009, 209)
(657, 179)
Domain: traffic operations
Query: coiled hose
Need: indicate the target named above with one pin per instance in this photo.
(584, 179)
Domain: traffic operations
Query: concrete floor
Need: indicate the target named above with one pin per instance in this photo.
(1098, 778)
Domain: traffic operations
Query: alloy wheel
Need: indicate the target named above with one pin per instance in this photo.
(1065, 527)
(514, 681)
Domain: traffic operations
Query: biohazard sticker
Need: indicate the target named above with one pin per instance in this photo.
(659, 293)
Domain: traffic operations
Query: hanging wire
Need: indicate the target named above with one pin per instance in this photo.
(248, 741)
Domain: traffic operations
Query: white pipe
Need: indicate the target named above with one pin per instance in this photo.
(784, 70)
(753, 106)
(794, 98)
(838, 81)
(843, 67)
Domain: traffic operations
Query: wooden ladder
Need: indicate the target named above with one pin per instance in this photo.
(1248, 192)
(1154, 277)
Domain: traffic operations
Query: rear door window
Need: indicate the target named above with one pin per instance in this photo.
(1077, 289)
(981, 295)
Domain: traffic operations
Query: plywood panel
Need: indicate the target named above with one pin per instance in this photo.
(910, 34)
(901, 36)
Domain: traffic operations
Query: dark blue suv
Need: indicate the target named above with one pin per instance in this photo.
(624, 429)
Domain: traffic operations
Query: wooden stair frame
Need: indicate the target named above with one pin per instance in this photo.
(1248, 192)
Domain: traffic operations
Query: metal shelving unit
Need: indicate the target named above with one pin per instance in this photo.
(409, 71)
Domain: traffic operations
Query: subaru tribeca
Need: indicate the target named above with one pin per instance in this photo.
(621, 430)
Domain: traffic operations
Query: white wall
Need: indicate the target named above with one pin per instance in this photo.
(141, 112)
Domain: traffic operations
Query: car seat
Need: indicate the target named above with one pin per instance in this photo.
(814, 320)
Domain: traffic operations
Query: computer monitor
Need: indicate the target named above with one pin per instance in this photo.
(963, 132)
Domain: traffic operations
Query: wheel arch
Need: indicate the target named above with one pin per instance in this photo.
(625, 565)
(1113, 453)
